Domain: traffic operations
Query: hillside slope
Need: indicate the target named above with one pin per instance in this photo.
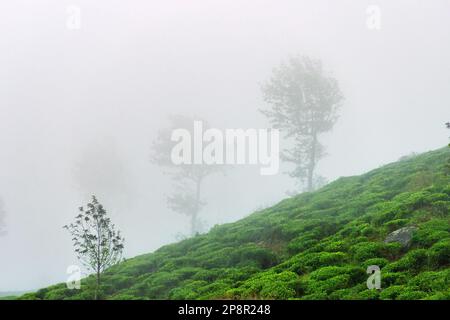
(312, 246)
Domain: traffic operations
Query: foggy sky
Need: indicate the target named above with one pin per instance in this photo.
(114, 82)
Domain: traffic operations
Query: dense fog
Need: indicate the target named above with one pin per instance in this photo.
(80, 106)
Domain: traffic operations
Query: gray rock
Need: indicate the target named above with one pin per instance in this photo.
(402, 235)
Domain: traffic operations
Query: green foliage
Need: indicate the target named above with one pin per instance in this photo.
(363, 251)
(440, 254)
(431, 281)
(394, 278)
(432, 231)
(396, 224)
(312, 246)
(268, 285)
(413, 261)
(381, 262)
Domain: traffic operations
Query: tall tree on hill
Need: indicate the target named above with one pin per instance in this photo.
(187, 179)
(303, 103)
(96, 242)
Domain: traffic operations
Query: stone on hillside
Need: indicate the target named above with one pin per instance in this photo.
(402, 235)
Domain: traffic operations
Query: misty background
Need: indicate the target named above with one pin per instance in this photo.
(80, 108)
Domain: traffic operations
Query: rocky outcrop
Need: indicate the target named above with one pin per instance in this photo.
(402, 235)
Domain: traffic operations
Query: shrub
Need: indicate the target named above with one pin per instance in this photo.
(395, 224)
(335, 246)
(190, 290)
(411, 295)
(125, 296)
(381, 262)
(414, 260)
(331, 284)
(431, 281)
(367, 250)
(269, 285)
(394, 278)
(312, 261)
(391, 292)
(301, 244)
(369, 294)
(431, 232)
(353, 275)
(57, 294)
(439, 254)
(252, 254)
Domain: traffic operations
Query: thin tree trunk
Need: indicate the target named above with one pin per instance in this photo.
(312, 163)
(197, 208)
(97, 285)
(193, 223)
(99, 235)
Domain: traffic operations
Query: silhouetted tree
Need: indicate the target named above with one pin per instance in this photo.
(304, 102)
(187, 178)
(96, 242)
